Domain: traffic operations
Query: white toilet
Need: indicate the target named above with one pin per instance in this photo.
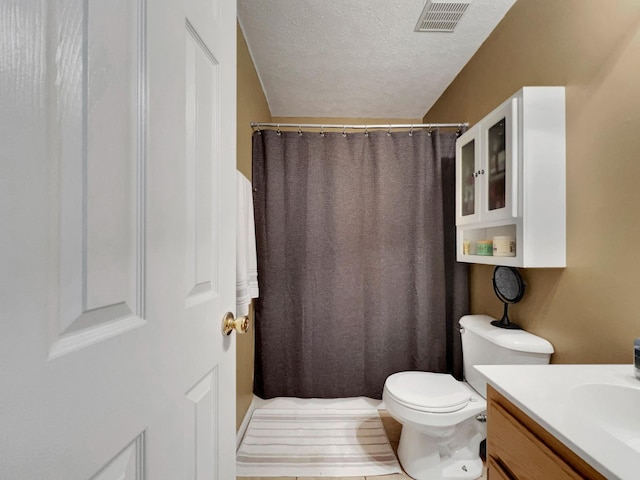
(440, 432)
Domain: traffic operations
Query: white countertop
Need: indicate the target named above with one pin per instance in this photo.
(544, 392)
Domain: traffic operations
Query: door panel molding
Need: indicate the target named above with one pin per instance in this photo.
(126, 465)
(201, 170)
(98, 144)
(202, 428)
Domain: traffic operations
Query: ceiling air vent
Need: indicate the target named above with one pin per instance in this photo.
(441, 15)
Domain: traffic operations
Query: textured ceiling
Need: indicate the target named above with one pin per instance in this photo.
(358, 58)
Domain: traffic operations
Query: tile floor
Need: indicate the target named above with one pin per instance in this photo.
(393, 429)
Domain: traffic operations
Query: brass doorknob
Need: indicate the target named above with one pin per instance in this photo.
(229, 324)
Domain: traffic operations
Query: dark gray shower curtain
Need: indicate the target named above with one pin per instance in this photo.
(356, 260)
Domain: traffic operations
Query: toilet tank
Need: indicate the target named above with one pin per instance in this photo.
(484, 344)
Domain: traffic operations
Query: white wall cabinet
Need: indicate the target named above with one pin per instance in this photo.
(511, 180)
(486, 168)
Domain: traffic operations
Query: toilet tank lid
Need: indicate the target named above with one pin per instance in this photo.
(518, 340)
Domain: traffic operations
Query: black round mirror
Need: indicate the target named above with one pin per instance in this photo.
(509, 288)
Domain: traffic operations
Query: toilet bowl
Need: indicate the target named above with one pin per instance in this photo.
(440, 433)
(443, 419)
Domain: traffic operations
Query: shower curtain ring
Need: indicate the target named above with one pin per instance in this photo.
(411, 131)
(389, 131)
(429, 132)
(278, 132)
(366, 131)
(322, 130)
(299, 131)
(344, 131)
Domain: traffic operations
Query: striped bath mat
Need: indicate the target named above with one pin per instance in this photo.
(315, 443)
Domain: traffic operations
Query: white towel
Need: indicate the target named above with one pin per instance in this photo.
(246, 263)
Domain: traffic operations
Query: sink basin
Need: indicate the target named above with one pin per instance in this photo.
(613, 408)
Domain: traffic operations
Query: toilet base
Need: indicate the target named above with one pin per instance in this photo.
(426, 457)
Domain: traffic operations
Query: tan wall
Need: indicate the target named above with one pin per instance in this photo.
(589, 310)
(252, 106)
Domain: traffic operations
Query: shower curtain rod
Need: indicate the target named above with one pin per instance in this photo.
(364, 127)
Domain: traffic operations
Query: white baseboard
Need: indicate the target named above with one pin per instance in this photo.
(245, 423)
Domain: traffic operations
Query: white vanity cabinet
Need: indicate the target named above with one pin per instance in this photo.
(511, 180)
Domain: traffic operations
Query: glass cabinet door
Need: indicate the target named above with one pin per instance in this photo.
(497, 151)
(500, 168)
(467, 173)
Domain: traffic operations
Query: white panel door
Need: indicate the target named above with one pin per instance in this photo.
(117, 263)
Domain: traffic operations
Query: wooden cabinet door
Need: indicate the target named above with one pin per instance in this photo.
(524, 450)
(495, 471)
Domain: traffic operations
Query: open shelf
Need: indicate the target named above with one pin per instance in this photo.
(474, 234)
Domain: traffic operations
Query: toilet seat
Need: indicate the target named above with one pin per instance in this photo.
(428, 392)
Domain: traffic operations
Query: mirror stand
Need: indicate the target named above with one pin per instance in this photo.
(504, 321)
